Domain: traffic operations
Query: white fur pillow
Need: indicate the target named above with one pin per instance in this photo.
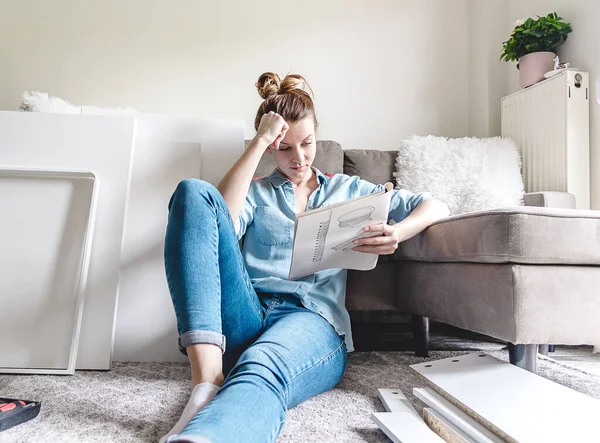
(468, 174)
(33, 101)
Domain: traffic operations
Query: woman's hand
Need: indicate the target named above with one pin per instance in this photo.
(387, 238)
(272, 129)
(385, 243)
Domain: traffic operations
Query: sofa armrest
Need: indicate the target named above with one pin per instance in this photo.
(550, 199)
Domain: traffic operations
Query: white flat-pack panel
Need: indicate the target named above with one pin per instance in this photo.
(444, 428)
(405, 427)
(168, 149)
(394, 400)
(46, 233)
(466, 424)
(517, 404)
(102, 144)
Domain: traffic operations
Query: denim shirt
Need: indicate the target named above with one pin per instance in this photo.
(267, 218)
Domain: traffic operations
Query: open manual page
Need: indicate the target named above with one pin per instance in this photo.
(323, 238)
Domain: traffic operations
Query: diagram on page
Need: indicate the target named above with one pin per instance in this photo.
(324, 237)
(352, 219)
(349, 222)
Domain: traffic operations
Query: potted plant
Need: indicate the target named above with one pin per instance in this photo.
(533, 45)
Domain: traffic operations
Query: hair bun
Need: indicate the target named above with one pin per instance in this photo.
(268, 84)
(295, 81)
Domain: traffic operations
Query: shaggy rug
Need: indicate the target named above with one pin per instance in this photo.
(138, 402)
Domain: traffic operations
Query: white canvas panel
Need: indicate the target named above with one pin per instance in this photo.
(168, 149)
(103, 145)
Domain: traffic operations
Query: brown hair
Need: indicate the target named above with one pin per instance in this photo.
(291, 97)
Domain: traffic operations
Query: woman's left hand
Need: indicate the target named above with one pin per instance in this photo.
(383, 244)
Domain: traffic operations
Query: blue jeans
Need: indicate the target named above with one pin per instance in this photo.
(276, 352)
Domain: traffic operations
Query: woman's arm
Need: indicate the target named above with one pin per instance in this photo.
(420, 218)
(424, 215)
(234, 186)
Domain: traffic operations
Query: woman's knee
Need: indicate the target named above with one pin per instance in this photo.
(264, 367)
(192, 188)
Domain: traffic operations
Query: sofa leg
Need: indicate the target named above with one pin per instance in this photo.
(420, 327)
(551, 348)
(544, 349)
(523, 356)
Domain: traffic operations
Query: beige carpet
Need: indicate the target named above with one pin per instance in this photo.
(138, 402)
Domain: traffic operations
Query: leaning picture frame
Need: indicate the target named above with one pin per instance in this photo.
(17, 286)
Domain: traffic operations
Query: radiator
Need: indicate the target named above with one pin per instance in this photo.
(550, 123)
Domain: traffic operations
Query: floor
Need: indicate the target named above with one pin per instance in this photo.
(139, 402)
(581, 357)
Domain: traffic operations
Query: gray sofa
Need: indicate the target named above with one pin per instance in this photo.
(526, 275)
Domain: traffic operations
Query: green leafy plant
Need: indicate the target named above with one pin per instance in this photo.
(535, 35)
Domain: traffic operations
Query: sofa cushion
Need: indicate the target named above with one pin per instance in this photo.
(528, 235)
(328, 160)
(371, 165)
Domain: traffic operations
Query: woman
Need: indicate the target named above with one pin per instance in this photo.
(258, 343)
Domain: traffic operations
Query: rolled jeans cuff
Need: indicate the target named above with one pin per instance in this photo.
(204, 337)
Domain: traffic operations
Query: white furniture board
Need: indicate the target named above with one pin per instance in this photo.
(445, 429)
(466, 424)
(394, 400)
(102, 144)
(168, 149)
(46, 232)
(513, 401)
(405, 427)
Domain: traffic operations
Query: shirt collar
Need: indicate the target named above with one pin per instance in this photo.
(277, 179)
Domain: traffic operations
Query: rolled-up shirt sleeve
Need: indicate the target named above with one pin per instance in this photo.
(244, 219)
(402, 202)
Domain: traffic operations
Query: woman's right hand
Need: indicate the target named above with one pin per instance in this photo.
(272, 129)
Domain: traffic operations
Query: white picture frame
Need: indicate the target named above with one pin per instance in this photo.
(16, 269)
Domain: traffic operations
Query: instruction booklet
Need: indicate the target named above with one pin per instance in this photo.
(323, 238)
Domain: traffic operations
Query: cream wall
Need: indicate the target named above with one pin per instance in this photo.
(581, 50)
(381, 70)
(487, 77)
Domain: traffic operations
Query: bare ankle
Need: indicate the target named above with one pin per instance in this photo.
(215, 379)
(206, 361)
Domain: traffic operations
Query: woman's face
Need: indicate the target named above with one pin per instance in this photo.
(297, 150)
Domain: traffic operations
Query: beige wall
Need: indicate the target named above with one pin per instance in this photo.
(487, 77)
(381, 69)
(582, 51)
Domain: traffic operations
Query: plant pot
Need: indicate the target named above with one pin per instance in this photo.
(532, 67)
